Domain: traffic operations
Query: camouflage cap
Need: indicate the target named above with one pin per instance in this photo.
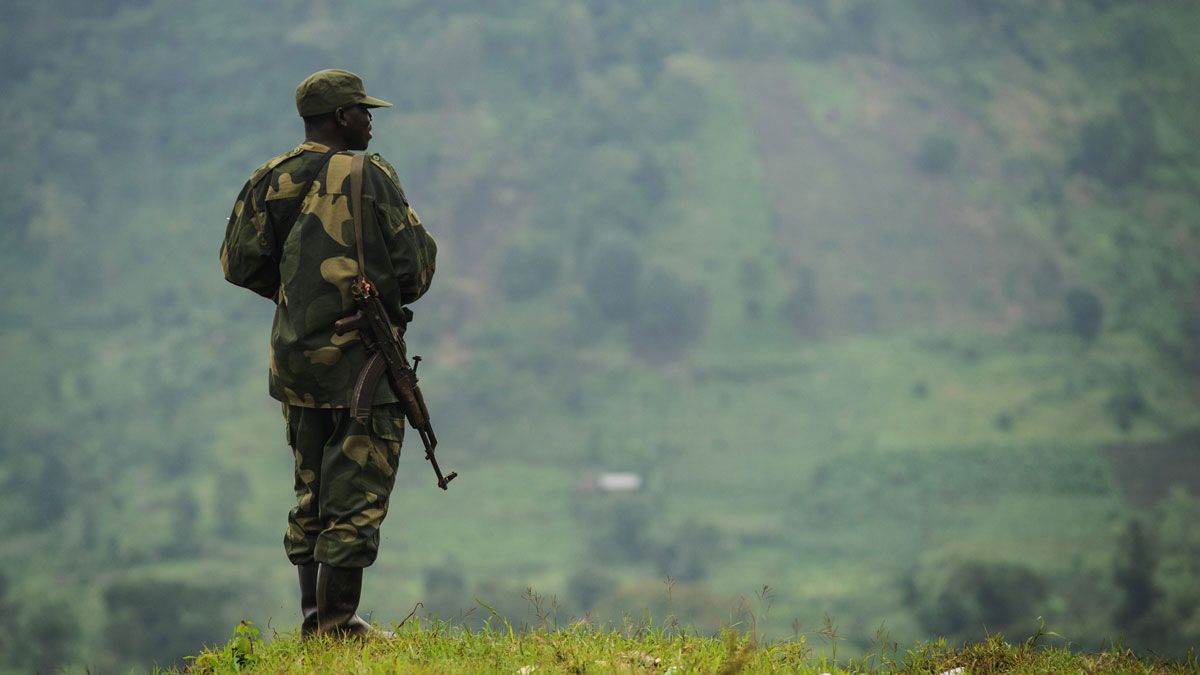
(327, 90)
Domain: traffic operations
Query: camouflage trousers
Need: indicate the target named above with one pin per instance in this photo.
(345, 470)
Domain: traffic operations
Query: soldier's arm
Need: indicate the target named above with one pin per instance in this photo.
(245, 258)
(411, 251)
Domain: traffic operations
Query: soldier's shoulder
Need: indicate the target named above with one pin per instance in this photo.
(269, 165)
(378, 160)
(392, 179)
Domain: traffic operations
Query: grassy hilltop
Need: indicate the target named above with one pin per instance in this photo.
(893, 305)
(440, 648)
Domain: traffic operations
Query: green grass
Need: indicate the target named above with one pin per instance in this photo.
(643, 647)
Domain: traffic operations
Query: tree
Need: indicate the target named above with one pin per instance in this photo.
(752, 280)
(1133, 572)
(688, 553)
(1177, 574)
(1126, 405)
(611, 273)
(445, 588)
(617, 526)
(8, 623)
(802, 306)
(52, 633)
(162, 621)
(670, 318)
(588, 585)
(965, 598)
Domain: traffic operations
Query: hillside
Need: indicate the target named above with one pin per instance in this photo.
(893, 306)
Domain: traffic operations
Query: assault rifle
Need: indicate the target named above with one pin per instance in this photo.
(386, 352)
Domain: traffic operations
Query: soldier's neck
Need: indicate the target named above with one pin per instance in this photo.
(334, 142)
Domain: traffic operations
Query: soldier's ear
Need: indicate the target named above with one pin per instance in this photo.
(339, 116)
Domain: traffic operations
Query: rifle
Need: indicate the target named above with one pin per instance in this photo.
(387, 355)
(386, 348)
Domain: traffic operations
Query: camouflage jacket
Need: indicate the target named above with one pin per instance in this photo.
(310, 366)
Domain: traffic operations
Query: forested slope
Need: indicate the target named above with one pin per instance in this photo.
(893, 305)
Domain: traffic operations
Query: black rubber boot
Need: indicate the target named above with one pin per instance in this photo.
(308, 598)
(338, 593)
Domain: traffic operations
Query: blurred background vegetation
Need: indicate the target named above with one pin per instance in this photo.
(892, 305)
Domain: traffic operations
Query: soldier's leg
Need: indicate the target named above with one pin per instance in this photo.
(309, 430)
(357, 476)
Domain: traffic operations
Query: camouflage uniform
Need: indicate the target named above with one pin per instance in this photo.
(344, 469)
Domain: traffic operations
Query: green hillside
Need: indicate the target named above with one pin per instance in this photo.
(892, 305)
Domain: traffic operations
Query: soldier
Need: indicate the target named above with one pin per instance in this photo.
(291, 238)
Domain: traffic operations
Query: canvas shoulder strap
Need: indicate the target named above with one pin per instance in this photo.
(363, 284)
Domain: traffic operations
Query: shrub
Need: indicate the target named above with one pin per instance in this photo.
(1086, 313)
(1126, 405)
(1118, 148)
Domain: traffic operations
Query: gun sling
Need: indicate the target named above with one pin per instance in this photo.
(386, 350)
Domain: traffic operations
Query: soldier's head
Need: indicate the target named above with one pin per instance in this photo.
(336, 109)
